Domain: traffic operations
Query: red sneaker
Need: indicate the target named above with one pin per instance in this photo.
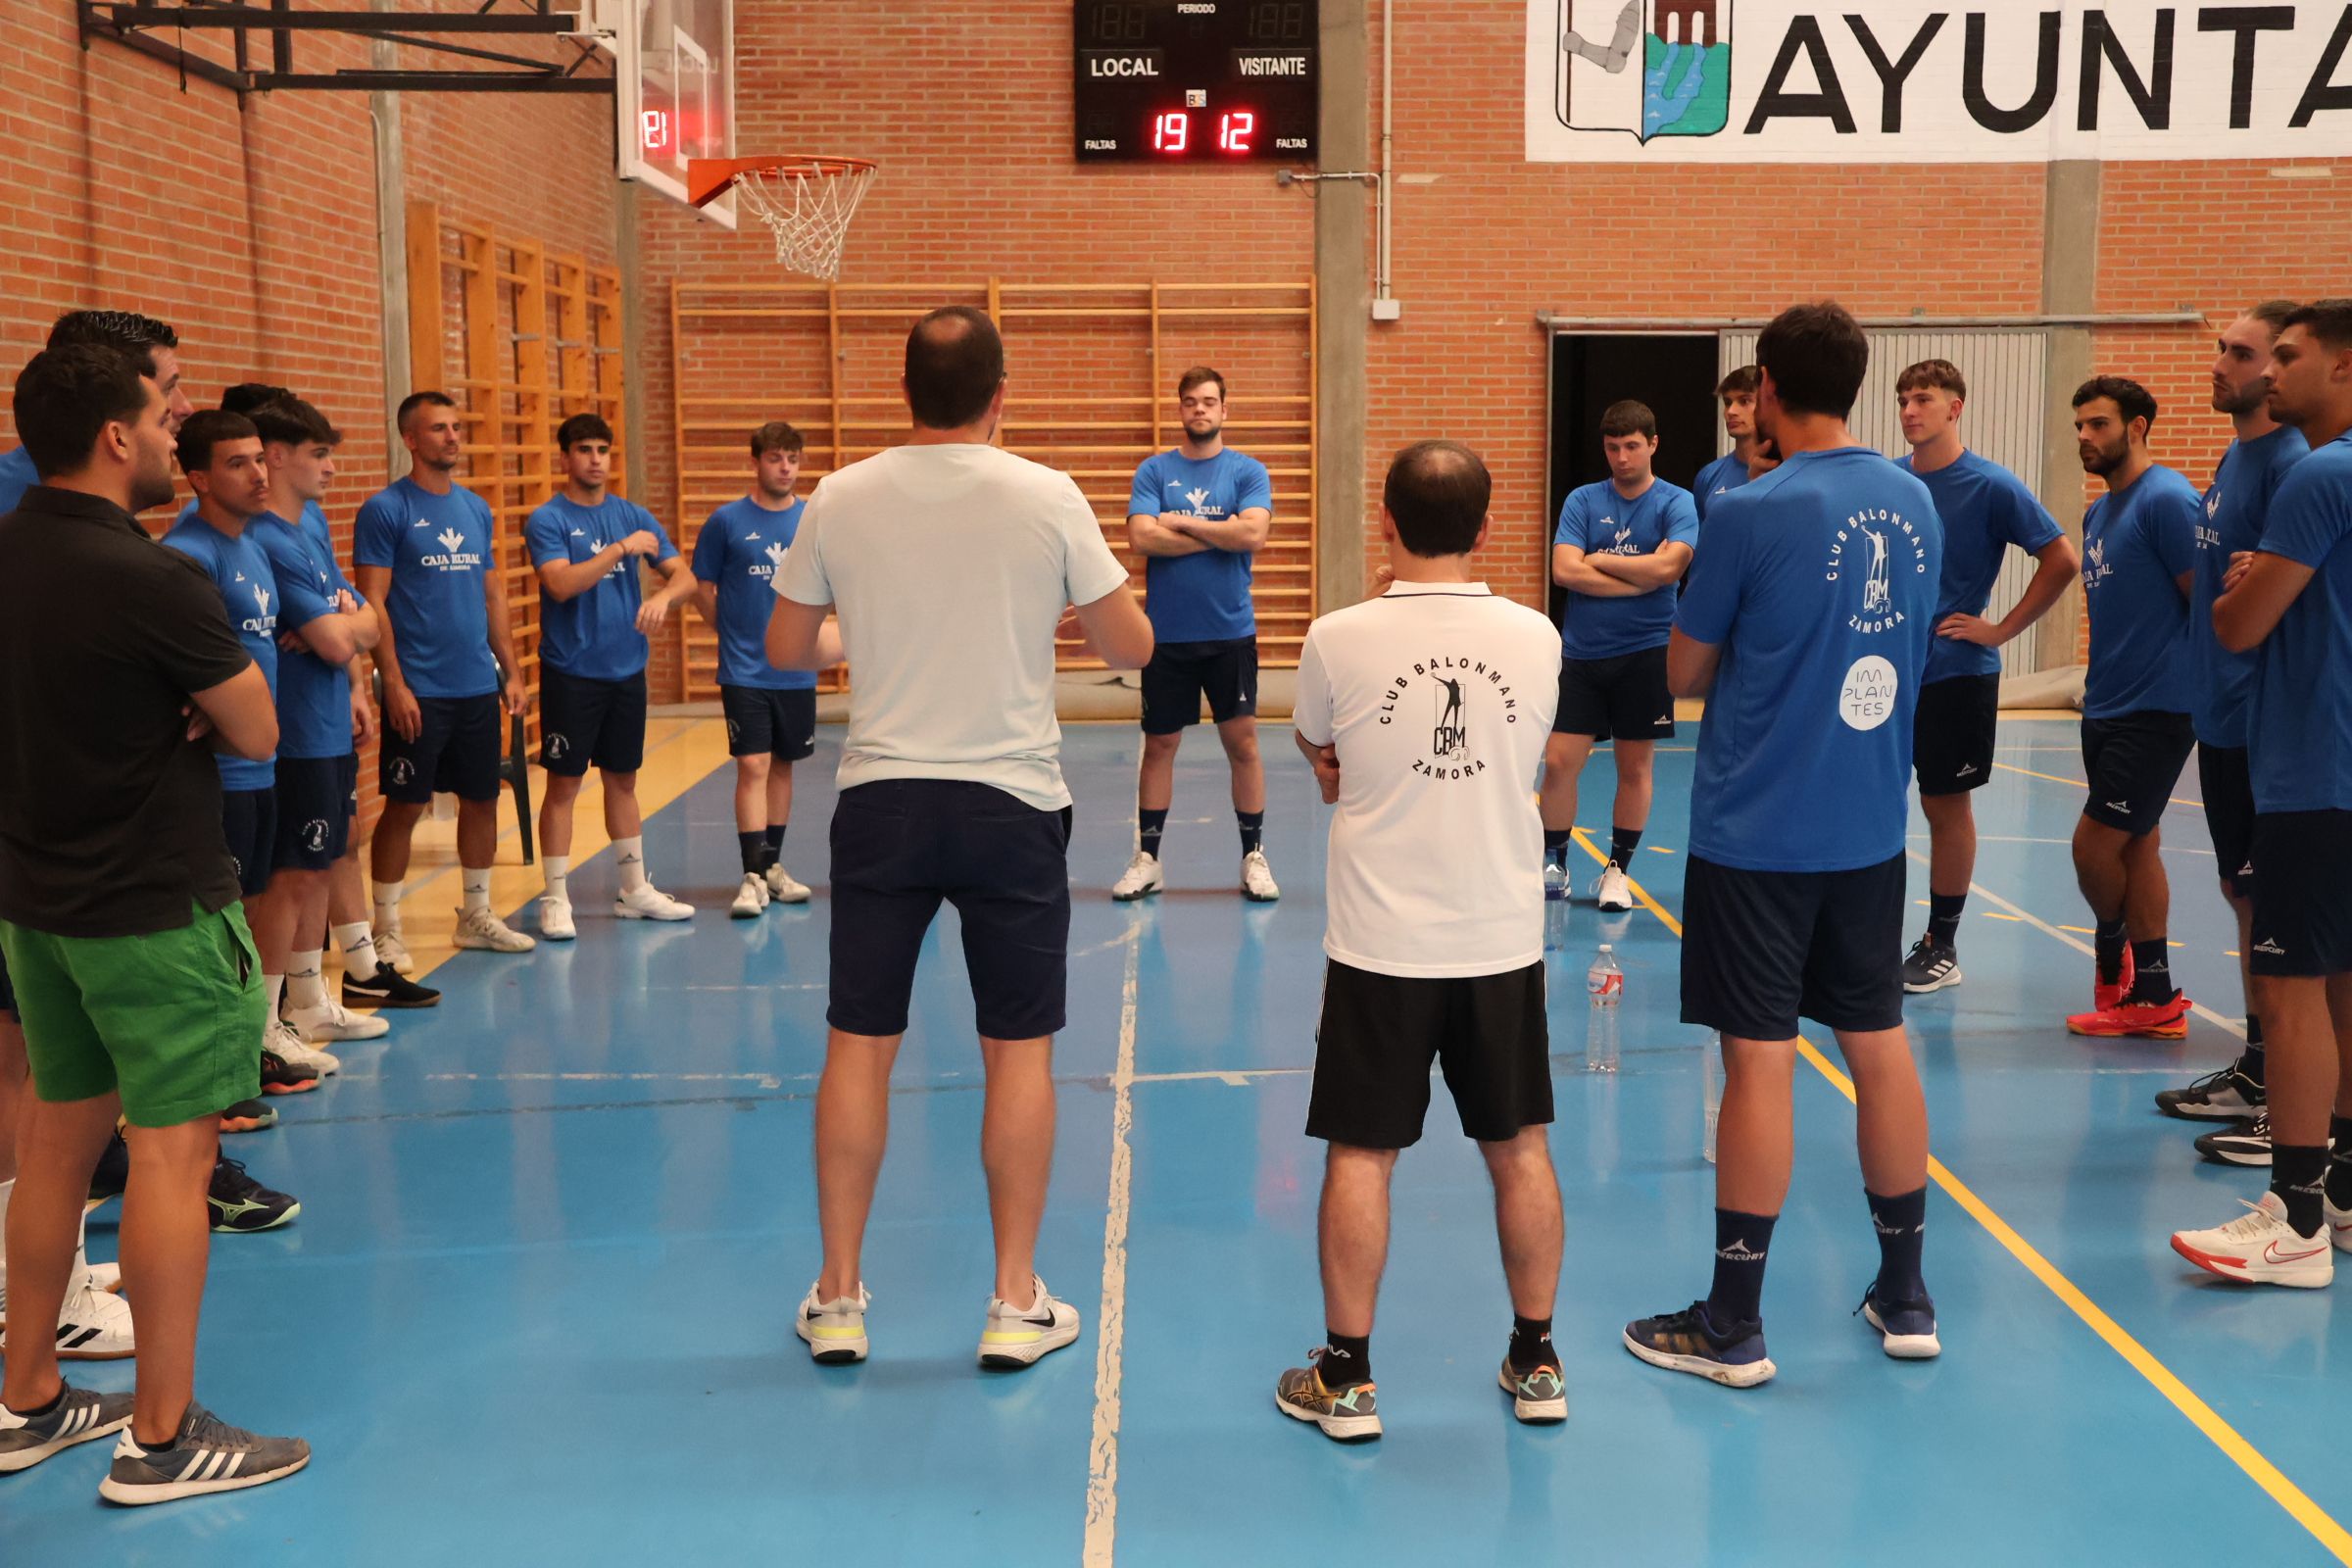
(2106, 999)
(2136, 1020)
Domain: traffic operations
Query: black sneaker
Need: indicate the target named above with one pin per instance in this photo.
(112, 1174)
(278, 1077)
(388, 988)
(2247, 1143)
(1931, 966)
(248, 1117)
(2226, 1095)
(241, 1205)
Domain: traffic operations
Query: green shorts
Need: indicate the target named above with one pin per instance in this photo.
(172, 1020)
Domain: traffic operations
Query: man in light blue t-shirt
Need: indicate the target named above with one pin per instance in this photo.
(2139, 557)
(595, 636)
(772, 712)
(425, 552)
(1737, 392)
(1621, 547)
(1805, 626)
(1986, 509)
(1196, 514)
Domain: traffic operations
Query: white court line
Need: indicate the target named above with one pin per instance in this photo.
(1110, 1317)
(2226, 1025)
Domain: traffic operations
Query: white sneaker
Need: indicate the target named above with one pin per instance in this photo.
(834, 1331)
(1142, 876)
(750, 898)
(483, 930)
(94, 1326)
(2339, 1228)
(1016, 1337)
(106, 1277)
(1257, 878)
(1614, 892)
(783, 889)
(334, 1021)
(2260, 1248)
(389, 949)
(554, 919)
(286, 1043)
(646, 901)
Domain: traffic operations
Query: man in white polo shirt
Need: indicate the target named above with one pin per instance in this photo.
(950, 562)
(1435, 921)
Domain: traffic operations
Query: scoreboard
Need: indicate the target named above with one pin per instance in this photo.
(1194, 81)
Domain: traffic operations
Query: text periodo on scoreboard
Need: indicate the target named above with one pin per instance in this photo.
(1194, 81)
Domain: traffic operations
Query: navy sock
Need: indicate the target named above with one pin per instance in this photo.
(2151, 971)
(1943, 917)
(775, 840)
(2250, 1060)
(2298, 1174)
(754, 848)
(1623, 842)
(1348, 1359)
(2108, 944)
(1555, 845)
(1254, 830)
(1741, 1243)
(1531, 1344)
(2339, 1163)
(1150, 825)
(1901, 1223)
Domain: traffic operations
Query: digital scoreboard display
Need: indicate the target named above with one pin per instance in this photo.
(1194, 81)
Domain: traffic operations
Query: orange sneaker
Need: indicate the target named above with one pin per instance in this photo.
(2136, 1020)
(2106, 999)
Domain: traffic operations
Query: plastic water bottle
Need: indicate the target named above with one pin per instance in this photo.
(1605, 985)
(1555, 907)
(1711, 1090)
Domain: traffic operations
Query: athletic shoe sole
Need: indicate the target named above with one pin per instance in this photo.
(1731, 1377)
(1139, 893)
(287, 1218)
(1338, 1428)
(26, 1458)
(361, 996)
(1902, 1347)
(2221, 1154)
(1535, 1412)
(1012, 1355)
(2205, 1113)
(1944, 983)
(2313, 1273)
(142, 1494)
(831, 1351)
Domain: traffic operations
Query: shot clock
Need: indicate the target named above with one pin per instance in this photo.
(1194, 81)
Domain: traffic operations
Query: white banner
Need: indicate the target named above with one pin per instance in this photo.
(1898, 82)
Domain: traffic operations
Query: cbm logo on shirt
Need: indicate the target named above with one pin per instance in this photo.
(455, 556)
(1445, 679)
(1874, 537)
(1645, 68)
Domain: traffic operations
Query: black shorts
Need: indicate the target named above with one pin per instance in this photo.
(901, 847)
(583, 721)
(2302, 919)
(1180, 674)
(2226, 784)
(2133, 762)
(1951, 739)
(1380, 1032)
(455, 749)
(767, 721)
(249, 820)
(315, 800)
(1624, 698)
(1763, 949)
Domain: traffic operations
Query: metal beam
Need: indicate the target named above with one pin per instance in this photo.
(431, 81)
(258, 19)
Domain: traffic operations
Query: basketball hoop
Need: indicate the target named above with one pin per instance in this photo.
(807, 201)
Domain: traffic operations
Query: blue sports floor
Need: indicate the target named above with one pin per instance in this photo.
(537, 1307)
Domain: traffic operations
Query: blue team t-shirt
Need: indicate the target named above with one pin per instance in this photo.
(1721, 477)
(1984, 509)
(1600, 522)
(16, 476)
(1818, 583)
(249, 593)
(438, 548)
(2135, 546)
(314, 693)
(739, 550)
(1202, 597)
(2236, 503)
(593, 635)
(2301, 715)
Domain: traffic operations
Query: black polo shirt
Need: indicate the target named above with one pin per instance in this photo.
(110, 816)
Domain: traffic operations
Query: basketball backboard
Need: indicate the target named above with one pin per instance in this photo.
(673, 63)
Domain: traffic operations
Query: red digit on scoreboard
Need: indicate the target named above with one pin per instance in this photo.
(1234, 129)
(1171, 132)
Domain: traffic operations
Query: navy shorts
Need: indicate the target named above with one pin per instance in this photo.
(455, 749)
(770, 721)
(1763, 949)
(316, 799)
(249, 820)
(902, 848)
(1623, 698)
(2133, 762)
(2302, 920)
(1953, 733)
(1181, 675)
(2226, 782)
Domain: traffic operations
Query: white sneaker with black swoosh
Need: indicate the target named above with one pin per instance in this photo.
(834, 1331)
(2260, 1248)
(1018, 1336)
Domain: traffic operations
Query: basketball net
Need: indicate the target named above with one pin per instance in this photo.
(805, 201)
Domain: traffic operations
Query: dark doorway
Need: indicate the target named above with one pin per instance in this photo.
(1674, 374)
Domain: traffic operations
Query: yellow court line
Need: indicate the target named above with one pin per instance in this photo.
(2265, 1475)
(2060, 778)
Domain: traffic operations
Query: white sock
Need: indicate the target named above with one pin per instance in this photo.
(305, 981)
(559, 876)
(275, 986)
(359, 948)
(630, 856)
(477, 889)
(387, 906)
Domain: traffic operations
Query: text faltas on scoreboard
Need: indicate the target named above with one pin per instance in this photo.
(1198, 81)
